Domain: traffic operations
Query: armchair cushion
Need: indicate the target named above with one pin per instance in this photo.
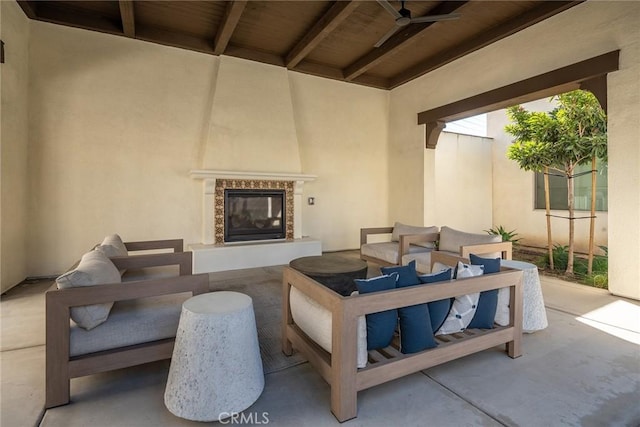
(400, 229)
(451, 239)
(94, 269)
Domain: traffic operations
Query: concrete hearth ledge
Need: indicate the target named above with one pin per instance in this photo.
(211, 258)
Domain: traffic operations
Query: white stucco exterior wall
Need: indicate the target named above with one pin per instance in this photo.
(14, 31)
(602, 27)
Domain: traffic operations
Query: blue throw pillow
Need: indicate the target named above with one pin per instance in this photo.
(380, 326)
(488, 302)
(407, 274)
(416, 333)
(438, 310)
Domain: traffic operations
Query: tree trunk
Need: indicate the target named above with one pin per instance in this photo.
(593, 214)
(547, 206)
(571, 204)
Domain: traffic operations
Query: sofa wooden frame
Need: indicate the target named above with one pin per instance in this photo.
(406, 240)
(339, 368)
(61, 367)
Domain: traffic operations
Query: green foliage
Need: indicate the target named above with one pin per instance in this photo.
(507, 236)
(569, 135)
(599, 275)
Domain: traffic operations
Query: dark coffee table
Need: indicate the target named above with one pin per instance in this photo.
(335, 272)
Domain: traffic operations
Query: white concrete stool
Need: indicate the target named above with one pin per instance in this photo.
(216, 369)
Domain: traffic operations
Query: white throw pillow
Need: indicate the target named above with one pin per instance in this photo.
(315, 321)
(502, 309)
(94, 269)
(464, 306)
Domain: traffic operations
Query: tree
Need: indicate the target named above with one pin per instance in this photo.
(572, 134)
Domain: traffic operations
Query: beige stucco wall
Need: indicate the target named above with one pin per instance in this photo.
(14, 31)
(513, 200)
(551, 44)
(342, 133)
(463, 177)
(118, 124)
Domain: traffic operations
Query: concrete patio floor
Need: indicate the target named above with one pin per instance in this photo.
(583, 370)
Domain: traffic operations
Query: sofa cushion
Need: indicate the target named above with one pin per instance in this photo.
(380, 326)
(415, 322)
(93, 269)
(464, 306)
(315, 321)
(131, 322)
(400, 229)
(451, 239)
(438, 310)
(113, 246)
(488, 301)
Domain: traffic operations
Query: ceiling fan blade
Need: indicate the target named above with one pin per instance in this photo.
(435, 18)
(386, 36)
(389, 8)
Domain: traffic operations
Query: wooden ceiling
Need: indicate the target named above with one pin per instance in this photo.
(333, 39)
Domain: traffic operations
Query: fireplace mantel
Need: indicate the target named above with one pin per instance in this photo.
(209, 177)
(217, 174)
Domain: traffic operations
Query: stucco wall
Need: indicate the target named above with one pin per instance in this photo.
(118, 124)
(13, 145)
(551, 44)
(463, 178)
(513, 190)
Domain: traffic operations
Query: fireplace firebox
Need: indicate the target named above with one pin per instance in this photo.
(252, 214)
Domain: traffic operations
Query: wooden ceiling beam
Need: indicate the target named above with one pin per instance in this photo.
(512, 26)
(227, 27)
(398, 40)
(320, 30)
(87, 21)
(314, 69)
(127, 16)
(589, 74)
(29, 8)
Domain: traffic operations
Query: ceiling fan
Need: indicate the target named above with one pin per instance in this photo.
(403, 18)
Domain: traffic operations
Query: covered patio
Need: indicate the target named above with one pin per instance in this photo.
(583, 370)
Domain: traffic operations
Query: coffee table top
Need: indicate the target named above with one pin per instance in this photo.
(327, 265)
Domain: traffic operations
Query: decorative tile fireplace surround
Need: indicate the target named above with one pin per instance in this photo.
(213, 254)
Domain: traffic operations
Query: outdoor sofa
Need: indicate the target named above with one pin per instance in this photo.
(337, 324)
(113, 310)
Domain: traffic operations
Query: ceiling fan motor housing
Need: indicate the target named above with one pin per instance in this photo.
(405, 19)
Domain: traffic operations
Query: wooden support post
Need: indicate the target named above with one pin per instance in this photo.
(514, 348)
(593, 215)
(548, 208)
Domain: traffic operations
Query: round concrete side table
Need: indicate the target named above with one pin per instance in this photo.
(216, 369)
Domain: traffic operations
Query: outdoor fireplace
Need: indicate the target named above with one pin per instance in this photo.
(254, 214)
